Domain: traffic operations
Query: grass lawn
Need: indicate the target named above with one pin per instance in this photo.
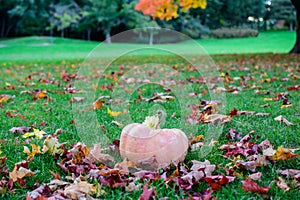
(39, 48)
(255, 82)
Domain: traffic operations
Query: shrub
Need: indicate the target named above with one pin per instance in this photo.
(233, 33)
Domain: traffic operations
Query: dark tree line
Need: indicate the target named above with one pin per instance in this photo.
(99, 19)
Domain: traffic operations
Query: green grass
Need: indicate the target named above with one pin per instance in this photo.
(34, 48)
(57, 112)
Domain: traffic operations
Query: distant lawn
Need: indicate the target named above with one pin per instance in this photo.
(39, 48)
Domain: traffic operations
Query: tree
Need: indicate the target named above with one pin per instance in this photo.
(6, 23)
(29, 17)
(296, 48)
(283, 10)
(106, 13)
(64, 16)
(167, 9)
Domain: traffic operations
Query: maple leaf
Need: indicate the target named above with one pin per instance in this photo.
(37, 133)
(216, 182)
(52, 145)
(283, 154)
(251, 186)
(79, 190)
(34, 150)
(79, 151)
(19, 173)
(147, 193)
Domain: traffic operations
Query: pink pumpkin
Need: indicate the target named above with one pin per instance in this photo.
(140, 142)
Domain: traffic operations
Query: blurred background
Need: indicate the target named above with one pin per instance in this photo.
(98, 20)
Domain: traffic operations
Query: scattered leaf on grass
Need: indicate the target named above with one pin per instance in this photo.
(79, 190)
(280, 118)
(52, 145)
(20, 129)
(37, 133)
(147, 193)
(251, 186)
(255, 176)
(282, 184)
(19, 173)
(283, 154)
(34, 150)
(115, 114)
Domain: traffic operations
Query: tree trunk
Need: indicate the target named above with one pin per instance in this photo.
(2, 27)
(8, 30)
(151, 37)
(107, 37)
(51, 36)
(291, 25)
(296, 48)
(62, 34)
(89, 31)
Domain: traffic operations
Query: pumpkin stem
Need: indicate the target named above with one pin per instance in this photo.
(162, 115)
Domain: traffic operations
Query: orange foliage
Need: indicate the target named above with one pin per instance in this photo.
(167, 9)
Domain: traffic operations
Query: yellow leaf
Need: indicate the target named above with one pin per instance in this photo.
(37, 133)
(286, 106)
(34, 150)
(115, 114)
(268, 99)
(52, 146)
(283, 153)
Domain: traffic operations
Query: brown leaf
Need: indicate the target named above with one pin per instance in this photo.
(282, 184)
(79, 190)
(55, 175)
(280, 118)
(19, 173)
(97, 156)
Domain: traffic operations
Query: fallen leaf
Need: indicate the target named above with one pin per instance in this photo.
(255, 176)
(280, 118)
(19, 173)
(282, 184)
(97, 156)
(52, 145)
(34, 150)
(283, 154)
(117, 123)
(251, 186)
(98, 104)
(291, 173)
(115, 114)
(37, 133)
(147, 193)
(79, 190)
(76, 99)
(20, 129)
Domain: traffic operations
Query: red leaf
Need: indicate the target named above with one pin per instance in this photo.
(147, 193)
(251, 186)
